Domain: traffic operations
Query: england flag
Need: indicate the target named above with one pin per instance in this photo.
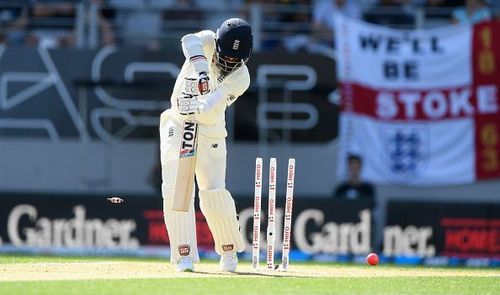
(421, 106)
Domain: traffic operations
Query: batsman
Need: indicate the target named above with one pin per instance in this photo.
(193, 142)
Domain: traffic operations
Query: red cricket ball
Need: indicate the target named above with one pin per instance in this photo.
(372, 259)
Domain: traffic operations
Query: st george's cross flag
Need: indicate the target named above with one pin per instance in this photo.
(421, 107)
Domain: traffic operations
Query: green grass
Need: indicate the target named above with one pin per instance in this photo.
(413, 285)
(443, 282)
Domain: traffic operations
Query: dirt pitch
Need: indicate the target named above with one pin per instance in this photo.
(141, 269)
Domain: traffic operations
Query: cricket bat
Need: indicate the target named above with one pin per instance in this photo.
(184, 180)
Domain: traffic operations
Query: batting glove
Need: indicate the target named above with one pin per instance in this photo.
(203, 83)
(188, 104)
(191, 86)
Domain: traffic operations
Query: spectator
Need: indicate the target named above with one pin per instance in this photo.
(13, 23)
(140, 21)
(393, 13)
(217, 11)
(49, 23)
(296, 34)
(324, 21)
(440, 10)
(287, 24)
(354, 188)
(106, 34)
(444, 3)
(180, 19)
(475, 11)
(54, 22)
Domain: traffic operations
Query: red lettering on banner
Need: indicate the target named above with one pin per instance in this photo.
(470, 240)
(203, 234)
(157, 232)
(494, 241)
(486, 70)
(467, 236)
(153, 214)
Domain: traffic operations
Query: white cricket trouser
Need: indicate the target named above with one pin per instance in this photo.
(210, 177)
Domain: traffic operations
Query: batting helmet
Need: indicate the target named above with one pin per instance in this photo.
(234, 43)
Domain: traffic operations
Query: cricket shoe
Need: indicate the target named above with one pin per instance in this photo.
(185, 264)
(228, 261)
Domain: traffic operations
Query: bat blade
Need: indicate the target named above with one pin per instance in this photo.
(184, 180)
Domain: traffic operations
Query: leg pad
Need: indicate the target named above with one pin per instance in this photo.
(220, 211)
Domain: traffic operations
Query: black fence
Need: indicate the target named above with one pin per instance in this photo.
(337, 229)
